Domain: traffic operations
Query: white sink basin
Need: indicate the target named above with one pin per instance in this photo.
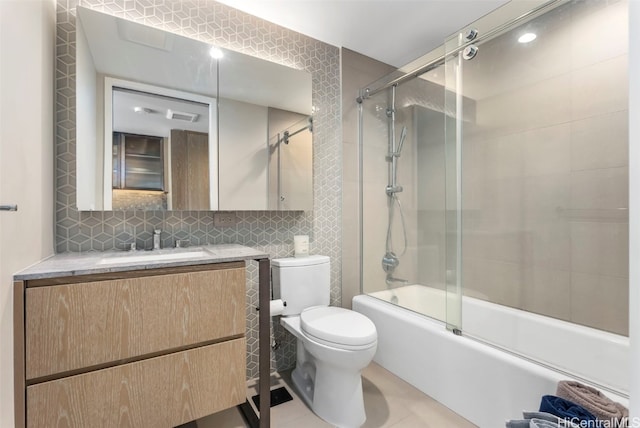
(155, 257)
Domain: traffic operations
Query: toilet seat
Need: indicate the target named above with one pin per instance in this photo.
(338, 327)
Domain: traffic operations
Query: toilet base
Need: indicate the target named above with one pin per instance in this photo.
(328, 379)
(303, 385)
(334, 395)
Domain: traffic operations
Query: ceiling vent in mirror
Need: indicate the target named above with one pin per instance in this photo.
(180, 115)
(144, 35)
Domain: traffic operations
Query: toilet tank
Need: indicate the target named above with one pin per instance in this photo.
(301, 282)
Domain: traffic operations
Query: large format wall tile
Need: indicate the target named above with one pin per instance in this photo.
(545, 168)
(547, 292)
(600, 141)
(600, 248)
(600, 189)
(600, 301)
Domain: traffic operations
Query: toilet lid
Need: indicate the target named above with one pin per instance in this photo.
(338, 325)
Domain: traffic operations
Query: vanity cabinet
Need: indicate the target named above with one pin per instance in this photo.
(142, 348)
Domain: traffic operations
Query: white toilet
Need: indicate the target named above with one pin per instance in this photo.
(334, 344)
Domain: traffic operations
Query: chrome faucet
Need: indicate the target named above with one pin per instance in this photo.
(156, 239)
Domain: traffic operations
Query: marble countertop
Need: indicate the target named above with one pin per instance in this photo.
(72, 264)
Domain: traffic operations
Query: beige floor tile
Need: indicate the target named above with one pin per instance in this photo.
(285, 413)
(290, 411)
(383, 412)
(412, 421)
(308, 421)
(435, 414)
(398, 403)
(388, 383)
(383, 397)
(230, 418)
(389, 402)
(415, 421)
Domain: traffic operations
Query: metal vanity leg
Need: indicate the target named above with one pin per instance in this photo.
(264, 358)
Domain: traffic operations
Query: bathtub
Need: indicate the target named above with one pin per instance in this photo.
(481, 382)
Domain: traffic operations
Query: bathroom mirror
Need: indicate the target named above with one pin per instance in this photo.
(165, 122)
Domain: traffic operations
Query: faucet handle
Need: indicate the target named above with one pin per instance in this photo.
(182, 243)
(156, 239)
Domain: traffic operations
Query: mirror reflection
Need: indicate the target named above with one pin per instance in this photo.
(291, 151)
(166, 122)
(160, 150)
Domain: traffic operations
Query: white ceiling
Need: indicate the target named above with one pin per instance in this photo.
(155, 121)
(392, 31)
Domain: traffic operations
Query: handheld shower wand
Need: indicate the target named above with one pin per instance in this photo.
(391, 260)
(392, 157)
(403, 135)
(398, 149)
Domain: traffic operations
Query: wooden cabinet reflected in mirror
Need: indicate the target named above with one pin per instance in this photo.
(138, 172)
(189, 170)
(138, 162)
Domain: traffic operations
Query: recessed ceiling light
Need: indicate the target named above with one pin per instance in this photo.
(527, 37)
(215, 52)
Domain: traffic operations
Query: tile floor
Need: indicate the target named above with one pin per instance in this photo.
(389, 402)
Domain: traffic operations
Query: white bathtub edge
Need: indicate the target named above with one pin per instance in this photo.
(481, 383)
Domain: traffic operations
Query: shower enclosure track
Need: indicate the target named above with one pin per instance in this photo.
(437, 62)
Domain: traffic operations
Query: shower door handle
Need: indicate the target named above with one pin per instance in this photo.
(13, 207)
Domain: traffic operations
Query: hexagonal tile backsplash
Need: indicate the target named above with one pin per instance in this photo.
(271, 232)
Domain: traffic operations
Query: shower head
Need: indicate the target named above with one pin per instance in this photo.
(403, 136)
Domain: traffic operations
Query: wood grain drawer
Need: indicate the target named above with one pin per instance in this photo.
(92, 324)
(158, 392)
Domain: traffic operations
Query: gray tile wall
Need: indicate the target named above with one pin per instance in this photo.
(272, 232)
(357, 71)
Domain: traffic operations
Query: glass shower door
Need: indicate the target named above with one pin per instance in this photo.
(403, 195)
(537, 133)
(453, 124)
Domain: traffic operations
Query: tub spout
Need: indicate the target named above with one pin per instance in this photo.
(391, 280)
